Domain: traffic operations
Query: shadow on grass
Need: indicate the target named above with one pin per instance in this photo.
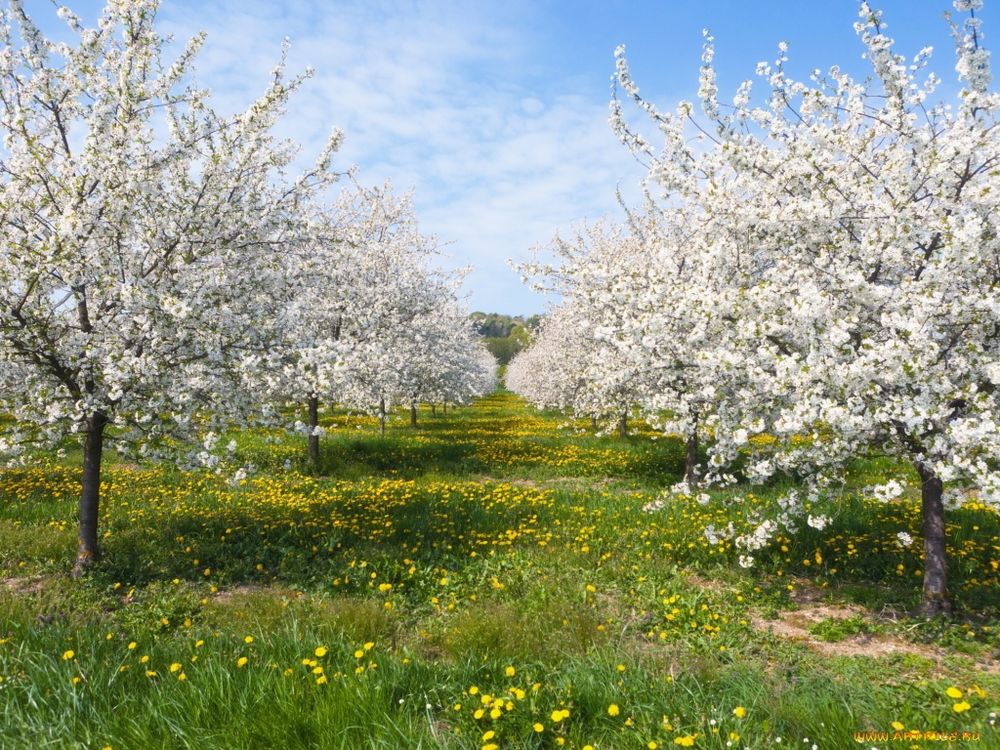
(367, 456)
(445, 452)
(346, 538)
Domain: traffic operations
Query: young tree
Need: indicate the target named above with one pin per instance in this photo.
(403, 313)
(137, 227)
(630, 349)
(456, 366)
(845, 237)
(549, 373)
(345, 282)
(665, 355)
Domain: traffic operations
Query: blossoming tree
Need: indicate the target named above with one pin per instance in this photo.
(847, 257)
(451, 364)
(137, 227)
(345, 282)
(633, 349)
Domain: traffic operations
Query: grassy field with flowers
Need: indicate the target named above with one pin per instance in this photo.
(495, 578)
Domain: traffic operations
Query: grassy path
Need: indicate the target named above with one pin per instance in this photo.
(491, 579)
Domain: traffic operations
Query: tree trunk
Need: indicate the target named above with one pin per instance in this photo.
(433, 410)
(413, 415)
(87, 551)
(313, 437)
(623, 425)
(691, 460)
(444, 407)
(381, 415)
(935, 600)
(593, 422)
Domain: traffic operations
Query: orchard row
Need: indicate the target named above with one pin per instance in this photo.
(163, 276)
(814, 276)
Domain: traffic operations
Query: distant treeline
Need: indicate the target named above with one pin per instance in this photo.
(505, 335)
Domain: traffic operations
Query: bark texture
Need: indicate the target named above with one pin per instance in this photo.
(935, 599)
(87, 549)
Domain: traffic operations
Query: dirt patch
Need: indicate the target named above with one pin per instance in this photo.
(523, 483)
(250, 589)
(23, 585)
(795, 626)
(589, 482)
(806, 592)
(710, 584)
(486, 479)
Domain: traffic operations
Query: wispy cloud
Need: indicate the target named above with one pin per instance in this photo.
(436, 96)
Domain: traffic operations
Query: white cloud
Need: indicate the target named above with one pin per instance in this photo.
(434, 96)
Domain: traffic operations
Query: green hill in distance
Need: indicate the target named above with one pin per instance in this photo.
(505, 335)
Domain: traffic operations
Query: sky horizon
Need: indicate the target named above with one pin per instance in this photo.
(496, 114)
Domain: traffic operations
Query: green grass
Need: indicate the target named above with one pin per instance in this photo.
(474, 575)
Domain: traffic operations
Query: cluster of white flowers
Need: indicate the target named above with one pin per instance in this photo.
(817, 522)
(160, 272)
(759, 538)
(371, 323)
(654, 505)
(715, 536)
(820, 266)
(886, 492)
(610, 346)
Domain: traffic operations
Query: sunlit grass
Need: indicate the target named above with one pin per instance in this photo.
(488, 578)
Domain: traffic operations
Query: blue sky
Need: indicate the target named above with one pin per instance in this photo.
(495, 113)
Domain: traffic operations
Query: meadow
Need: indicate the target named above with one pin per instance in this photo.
(494, 578)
